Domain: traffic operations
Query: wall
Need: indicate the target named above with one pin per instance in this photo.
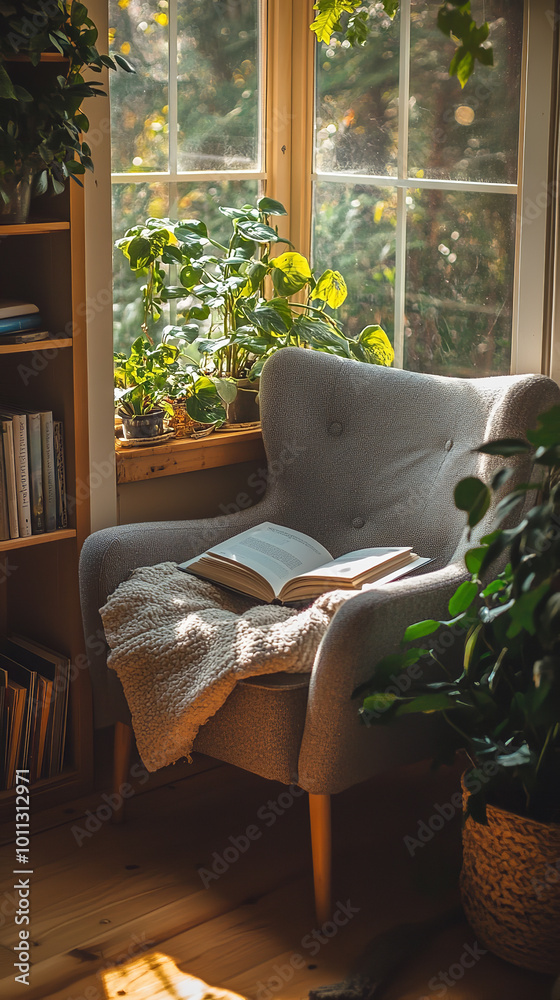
(208, 493)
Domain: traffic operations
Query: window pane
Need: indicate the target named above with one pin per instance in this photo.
(357, 101)
(354, 233)
(459, 292)
(218, 85)
(139, 102)
(201, 200)
(469, 134)
(132, 204)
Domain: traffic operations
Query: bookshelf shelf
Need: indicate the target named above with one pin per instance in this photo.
(38, 345)
(25, 543)
(34, 228)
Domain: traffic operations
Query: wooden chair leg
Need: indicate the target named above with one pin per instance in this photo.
(121, 765)
(321, 848)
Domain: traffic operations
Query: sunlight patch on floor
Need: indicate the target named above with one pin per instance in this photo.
(156, 977)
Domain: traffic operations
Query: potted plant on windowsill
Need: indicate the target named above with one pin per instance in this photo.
(237, 303)
(41, 117)
(499, 690)
(142, 386)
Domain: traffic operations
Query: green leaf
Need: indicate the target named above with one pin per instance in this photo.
(291, 272)
(420, 629)
(547, 433)
(329, 15)
(473, 559)
(505, 447)
(331, 288)
(473, 496)
(379, 702)
(124, 63)
(462, 598)
(7, 91)
(426, 704)
(376, 345)
(258, 232)
(268, 206)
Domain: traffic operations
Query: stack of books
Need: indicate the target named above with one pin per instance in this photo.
(20, 322)
(32, 473)
(33, 709)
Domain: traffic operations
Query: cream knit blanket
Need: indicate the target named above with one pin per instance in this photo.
(179, 645)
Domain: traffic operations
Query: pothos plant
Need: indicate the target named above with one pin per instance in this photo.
(240, 304)
(454, 19)
(499, 687)
(151, 377)
(41, 116)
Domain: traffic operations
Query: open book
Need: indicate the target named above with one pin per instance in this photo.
(273, 563)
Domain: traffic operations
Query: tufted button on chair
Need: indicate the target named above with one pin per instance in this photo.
(362, 456)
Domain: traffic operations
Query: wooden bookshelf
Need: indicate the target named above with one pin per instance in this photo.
(44, 262)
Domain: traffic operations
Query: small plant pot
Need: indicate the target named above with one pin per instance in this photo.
(15, 212)
(150, 425)
(183, 424)
(510, 887)
(245, 407)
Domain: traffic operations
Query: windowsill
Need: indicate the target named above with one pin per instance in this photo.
(136, 465)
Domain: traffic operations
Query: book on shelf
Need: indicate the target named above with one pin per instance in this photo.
(4, 513)
(35, 681)
(10, 474)
(21, 465)
(60, 466)
(16, 307)
(36, 473)
(49, 469)
(25, 338)
(275, 563)
(34, 470)
(20, 324)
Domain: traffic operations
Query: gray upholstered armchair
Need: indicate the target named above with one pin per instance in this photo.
(359, 456)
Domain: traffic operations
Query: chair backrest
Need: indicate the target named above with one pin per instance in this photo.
(361, 455)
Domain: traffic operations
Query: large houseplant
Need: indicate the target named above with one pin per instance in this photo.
(499, 691)
(41, 116)
(237, 303)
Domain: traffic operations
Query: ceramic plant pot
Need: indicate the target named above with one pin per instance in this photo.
(149, 425)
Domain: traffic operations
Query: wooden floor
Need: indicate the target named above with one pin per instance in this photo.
(123, 911)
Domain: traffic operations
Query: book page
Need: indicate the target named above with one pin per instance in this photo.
(353, 564)
(276, 552)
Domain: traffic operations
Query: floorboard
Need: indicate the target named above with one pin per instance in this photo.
(124, 911)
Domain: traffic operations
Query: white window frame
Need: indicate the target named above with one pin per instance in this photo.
(529, 264)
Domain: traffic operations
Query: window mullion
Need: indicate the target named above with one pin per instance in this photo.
(172, 96)
(304, 48)
(402, 170)
(278, 138)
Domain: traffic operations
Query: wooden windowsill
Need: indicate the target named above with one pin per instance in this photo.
(136, 465)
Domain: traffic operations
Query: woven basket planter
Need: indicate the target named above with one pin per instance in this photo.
(510, 888)
(183, 425)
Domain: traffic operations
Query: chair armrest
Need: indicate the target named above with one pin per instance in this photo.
(337, 750)
(109, 556)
